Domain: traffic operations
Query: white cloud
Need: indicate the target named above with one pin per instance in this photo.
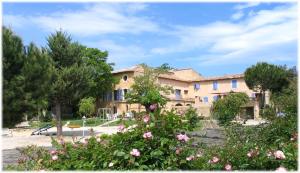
(97, 19)
(246, 5)
(227, 42)
(122, 55)
(238, 15)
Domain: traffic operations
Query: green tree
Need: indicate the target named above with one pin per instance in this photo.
(71, 78)
(102, 79)
(87, 106)
(13, 79)
(38, 73)
(146, 90)
(263, 76)
(227, 108)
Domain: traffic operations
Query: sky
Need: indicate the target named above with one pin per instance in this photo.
(212, 38)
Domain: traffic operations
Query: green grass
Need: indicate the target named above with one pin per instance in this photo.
(125, 122)
(91, 122)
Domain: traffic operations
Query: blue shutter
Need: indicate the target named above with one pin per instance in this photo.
(197, 86)
(234, 83)
(215, 85)
(215, 98)
(205, 99)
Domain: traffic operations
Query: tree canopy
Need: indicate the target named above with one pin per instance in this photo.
(227, 108)
(146, 90)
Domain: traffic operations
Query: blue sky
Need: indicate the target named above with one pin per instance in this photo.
(212, 38)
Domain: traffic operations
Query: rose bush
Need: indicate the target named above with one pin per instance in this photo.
(159, 142)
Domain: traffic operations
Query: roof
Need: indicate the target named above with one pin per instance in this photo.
(174, 76)
(129, 69)
(232, 76)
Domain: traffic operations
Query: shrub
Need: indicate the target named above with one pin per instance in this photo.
(192, 117)
(87, 107)
(224, 110)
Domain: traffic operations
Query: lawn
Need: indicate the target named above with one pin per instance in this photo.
(91, 122)
(127, 122)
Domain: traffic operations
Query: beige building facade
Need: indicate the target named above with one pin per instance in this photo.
(190, 89)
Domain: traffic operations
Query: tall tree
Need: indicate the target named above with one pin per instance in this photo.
(38, 73)
(13, 79)
(72, 78)
(101, 76)
(263, 76)
(146, 90)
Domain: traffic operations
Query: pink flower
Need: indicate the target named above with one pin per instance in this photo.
(281, 169)
(62, 142)
(121, 128)
(135, 152)
(228, 167)
(190, 158)
(252, 153)
(53, 152)
(147, 135)
(279, 155)
(54, 157)
(199, 154)
(178, 150)
(153, 107)
(182, 137)
(146, 119)
(215, 160)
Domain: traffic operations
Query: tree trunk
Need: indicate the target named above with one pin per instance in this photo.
(58, 119)
(97, 105)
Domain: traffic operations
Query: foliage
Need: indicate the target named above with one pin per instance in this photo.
(70, 73)
(227, 108)
(146, 90)
(87, 106)
(101, 76)
(158, 151)
(192, 117)
(38, 72)
(13, 79)
(263, 76)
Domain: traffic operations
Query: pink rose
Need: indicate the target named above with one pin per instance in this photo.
(199, 154)
(228, 167)
(147, 135)
(281, 169)
(54, 157)
(53, 152)
(215, 160)
(121, 128)
(135, 152)
(153, 107)
(146, 119)
(182, 137)
(178, 150)
(190, 158)
(279, 155)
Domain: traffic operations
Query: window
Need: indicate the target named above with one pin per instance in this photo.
(186, 91)
(125, 77)
(216, 98)
(215, 85)
(234, 83)
(196, 86)
(118, 95)
(205, 99)
(177, 94)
